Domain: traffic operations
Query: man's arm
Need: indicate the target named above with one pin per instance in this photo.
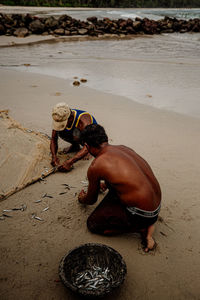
(93, 188)
(54, 148)
(67, 165)
(83, 122)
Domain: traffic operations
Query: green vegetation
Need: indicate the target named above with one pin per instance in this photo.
(105, 3)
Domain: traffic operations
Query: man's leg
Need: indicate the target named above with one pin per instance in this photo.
(147, 238)
(145, 226)
(73, 148)
(150, 243)
(109, 217)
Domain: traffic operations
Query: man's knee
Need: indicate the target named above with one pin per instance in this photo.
(92, 226)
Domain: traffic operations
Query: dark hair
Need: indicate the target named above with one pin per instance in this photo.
(94, 135)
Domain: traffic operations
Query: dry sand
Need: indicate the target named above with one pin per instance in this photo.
(30, 250)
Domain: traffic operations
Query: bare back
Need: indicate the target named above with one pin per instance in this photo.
(129, 175)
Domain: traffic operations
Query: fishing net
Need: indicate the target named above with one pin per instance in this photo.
(24, 156)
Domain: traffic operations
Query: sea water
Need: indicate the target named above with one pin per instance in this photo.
(117, 13)
(160, 70)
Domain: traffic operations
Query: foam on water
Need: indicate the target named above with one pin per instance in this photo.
(154, 14)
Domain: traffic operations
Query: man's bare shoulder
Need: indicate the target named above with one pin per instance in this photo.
(97, 162)
(125, 148)
(100, 164)
(117, 150)
(94, 168)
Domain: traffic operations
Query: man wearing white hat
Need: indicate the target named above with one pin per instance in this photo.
(68, 124)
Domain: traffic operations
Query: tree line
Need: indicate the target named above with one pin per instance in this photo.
(106, 3)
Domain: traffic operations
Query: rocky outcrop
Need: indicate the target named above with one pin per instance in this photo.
(23, 25)
(21, 32)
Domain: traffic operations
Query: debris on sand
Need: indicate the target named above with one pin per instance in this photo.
(83, 80)
(76, 83)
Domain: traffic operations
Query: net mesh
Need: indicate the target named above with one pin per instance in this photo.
(24, 156)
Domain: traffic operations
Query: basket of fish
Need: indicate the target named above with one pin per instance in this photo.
(92, 270)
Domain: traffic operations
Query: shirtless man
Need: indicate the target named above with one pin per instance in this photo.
(68, 124)
(133, 201)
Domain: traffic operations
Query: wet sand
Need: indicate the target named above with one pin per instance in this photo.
(31, 250)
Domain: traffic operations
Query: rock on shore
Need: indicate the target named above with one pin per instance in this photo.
(21, 25)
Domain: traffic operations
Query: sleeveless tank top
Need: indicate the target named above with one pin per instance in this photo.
(69, 132)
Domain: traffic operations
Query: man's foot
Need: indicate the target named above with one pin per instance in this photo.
(150, 245)
(147, 239)
(103, 187)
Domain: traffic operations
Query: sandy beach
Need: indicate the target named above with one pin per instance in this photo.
(30, 250)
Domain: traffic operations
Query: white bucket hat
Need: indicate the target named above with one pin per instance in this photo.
(60, 115)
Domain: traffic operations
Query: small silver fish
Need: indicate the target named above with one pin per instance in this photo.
(93, 278)
(47, 196)
(45, 209)
(38, 201)
(7, 216)
(84, 182)
(37, 218)
(62, 193)
(24, 207)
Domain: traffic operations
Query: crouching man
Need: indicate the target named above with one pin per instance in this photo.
(132, 203)
(68, 124)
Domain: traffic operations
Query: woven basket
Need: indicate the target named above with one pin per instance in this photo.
(85, 257)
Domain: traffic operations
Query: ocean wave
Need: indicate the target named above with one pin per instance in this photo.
(131, 16)
(114, 12)
(185, 14)
(154, 14)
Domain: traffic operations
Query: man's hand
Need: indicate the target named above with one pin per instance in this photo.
(66, 166)
(103, 187)
(55, 161)
(82, 196)
(87, 156)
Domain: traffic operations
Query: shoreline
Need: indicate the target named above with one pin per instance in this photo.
(130, 76)
(77, 91)
(12, 41)
(126, 75)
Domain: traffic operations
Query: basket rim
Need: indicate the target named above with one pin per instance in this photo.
(78, 290)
